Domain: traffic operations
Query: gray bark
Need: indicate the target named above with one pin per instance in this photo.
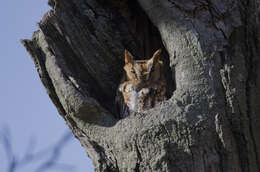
(210, 121)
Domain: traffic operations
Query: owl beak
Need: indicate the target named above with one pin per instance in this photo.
(144, 77)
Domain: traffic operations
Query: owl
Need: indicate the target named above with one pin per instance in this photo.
(142, 86)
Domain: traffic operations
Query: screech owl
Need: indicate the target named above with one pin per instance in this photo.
(143, 84)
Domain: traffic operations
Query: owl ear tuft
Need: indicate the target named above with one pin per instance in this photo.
(156, 55)
(128, 57)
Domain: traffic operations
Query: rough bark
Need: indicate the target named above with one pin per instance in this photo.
(210, 121)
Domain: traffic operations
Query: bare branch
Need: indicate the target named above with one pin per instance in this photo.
(49, 156)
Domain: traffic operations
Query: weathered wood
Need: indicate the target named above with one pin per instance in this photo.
(210, 121)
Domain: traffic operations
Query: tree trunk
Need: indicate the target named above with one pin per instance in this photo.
(210, 121)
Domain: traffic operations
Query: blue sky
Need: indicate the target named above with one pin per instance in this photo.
(25, 107)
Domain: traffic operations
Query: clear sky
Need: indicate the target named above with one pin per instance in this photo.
(25, 107)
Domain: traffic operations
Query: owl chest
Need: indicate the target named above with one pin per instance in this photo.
(141, 99)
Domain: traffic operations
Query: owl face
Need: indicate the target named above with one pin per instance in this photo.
(143, 71)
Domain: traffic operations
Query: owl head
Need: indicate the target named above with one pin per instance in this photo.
(143, 71)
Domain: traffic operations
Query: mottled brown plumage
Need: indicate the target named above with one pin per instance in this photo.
(143, 84)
